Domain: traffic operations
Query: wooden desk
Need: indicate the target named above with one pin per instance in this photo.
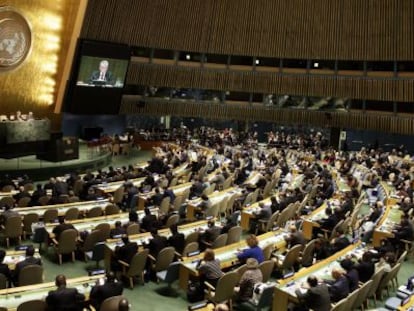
(248, 213)
(311, 221)
(83, 207)
(113, 186)
(215, 198)
(88, 224)
(11, 298)
(228, 255)
(285, 290)
(392, 217)
(178, 190)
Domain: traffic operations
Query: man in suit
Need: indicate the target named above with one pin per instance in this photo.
(365, 267)
(156, 199)
(351, 273)
(21, 194)
(169, 193)
(63, 298)
(157, 243)
(295, 237)
(339, 288)
(340, 241)
(149, 221)
(264, 213)
(330, 221)
(209, 236)
(57, 231)
(404, 231)
(61, 187)
(118, 230)
(30, 260)
(316, 297)
(110, 288)
(176, 240)
(124, 252)
(102, 74)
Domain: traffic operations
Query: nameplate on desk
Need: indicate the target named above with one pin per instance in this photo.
(288, 275)
(195, 253)
(22, 247)
(197, 306)
(96, 272)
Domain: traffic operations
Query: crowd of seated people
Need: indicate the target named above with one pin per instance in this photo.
(234, 156)
(18, 116)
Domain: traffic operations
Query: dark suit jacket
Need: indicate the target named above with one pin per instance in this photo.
(149, 222)
(126, 252)
(296, 238)
(177, 241)
(264, 213)
(339, 289)
(108, 77)
(404, 233)
(156, 244)
(61, 188)
(28, 261)
(117, 231)
(156, 199)
(211, 234)
(64, 299)
(101, 292)
(365, 271)
(353, 279)
(340, 243)
(329, 222)
(316, 298)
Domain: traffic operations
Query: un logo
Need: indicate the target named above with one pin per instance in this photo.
(15, 38)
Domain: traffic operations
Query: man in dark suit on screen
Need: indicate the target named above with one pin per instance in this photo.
(102, 76)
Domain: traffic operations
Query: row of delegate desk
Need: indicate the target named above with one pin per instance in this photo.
(249, 212)
(11, 298)
(143, 238)
(285, 289)
(228, 255)
(85, 206)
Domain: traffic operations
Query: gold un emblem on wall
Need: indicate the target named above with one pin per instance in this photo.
(15, 38)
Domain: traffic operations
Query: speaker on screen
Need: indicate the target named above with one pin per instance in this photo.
(97, 78)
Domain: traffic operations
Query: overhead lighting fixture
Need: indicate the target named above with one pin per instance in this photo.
(316, 65)
(188, 57)
(257, 61)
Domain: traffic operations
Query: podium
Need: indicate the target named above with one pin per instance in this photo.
(60, 149)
